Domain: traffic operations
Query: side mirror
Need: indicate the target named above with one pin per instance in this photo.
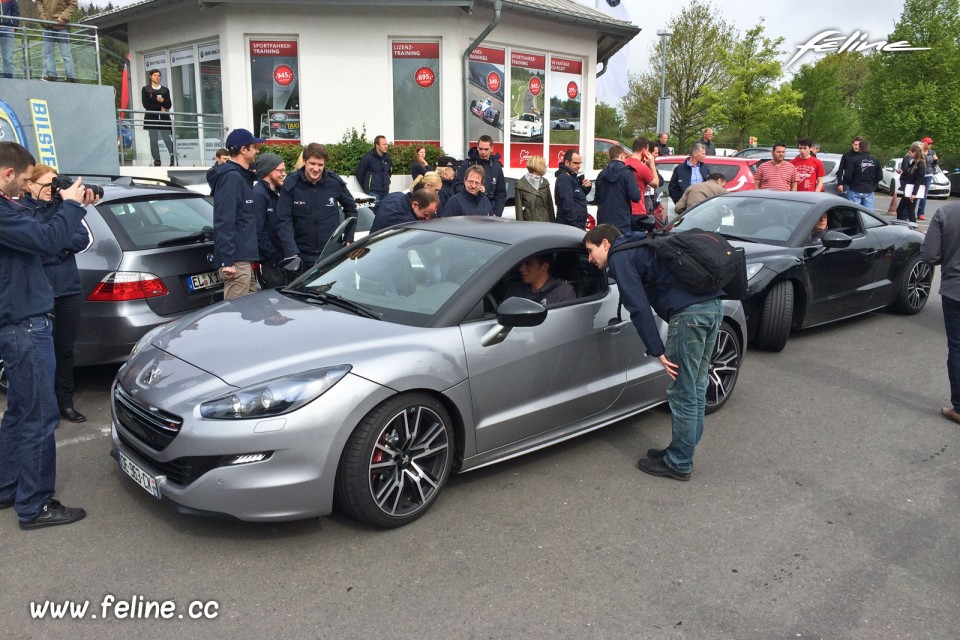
(520, 312)
(836, 240)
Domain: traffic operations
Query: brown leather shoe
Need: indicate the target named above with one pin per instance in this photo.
(950, 414)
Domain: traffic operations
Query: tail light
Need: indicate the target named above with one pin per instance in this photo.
(120, 286)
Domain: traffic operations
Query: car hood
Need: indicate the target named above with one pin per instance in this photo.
(755, 251)
(269, 335)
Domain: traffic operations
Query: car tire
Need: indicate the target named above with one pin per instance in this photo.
(893, 186)
(914, 288)
(776, 319)
(724, 367)
(496, 119)
(473, 105)
(396, 461)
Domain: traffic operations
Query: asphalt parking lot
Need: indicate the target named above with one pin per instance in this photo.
(823, 504)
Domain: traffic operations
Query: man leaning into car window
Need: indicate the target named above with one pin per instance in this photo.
(646, 282)
(28, 453)
(234, 219)
(538, 285)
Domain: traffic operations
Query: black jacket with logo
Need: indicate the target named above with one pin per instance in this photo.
(234, 220)
(308, 213)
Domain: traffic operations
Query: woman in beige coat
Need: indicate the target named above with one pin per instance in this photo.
(533, 200)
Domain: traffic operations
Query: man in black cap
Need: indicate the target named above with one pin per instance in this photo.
(234, 220)
(271, 170)
(447, 168)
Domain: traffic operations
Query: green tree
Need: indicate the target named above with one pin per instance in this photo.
(693, 65)
(752, 99)
(609, 123)
(831, 90)
(913, 94)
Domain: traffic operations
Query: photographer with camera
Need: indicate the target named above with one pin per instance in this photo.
(43, 196)
(28, 452)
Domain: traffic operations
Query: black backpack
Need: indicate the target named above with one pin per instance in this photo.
(702, 261)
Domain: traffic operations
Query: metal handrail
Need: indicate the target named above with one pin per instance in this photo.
(30, 31)
(181, 124)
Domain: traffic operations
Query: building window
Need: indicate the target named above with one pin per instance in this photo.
(211, 94)
(416, 92)
(566, 111)
(527, 119)
(275, 79)
(486, 95)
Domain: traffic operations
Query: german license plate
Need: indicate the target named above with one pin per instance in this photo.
(141, 477)
(204, 280)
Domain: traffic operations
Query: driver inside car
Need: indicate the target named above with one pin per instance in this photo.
(538, 285)
(819, 228)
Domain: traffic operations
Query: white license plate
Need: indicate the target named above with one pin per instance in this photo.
(141, 477)
(204, 280)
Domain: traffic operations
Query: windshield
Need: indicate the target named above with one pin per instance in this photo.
(148, 223)
(767, 220)
(407, 274)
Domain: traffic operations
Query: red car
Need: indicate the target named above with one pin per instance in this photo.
(738, 171)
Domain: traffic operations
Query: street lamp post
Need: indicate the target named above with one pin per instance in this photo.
(663, 108)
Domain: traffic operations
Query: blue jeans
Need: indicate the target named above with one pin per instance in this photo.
(7, 44)
(927, 180)
(691, 339)
(951, 322)
(866, 199)
(28, 453)
(62, 39)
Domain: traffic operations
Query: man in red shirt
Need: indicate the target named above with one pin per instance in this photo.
(777, 174)
(810, 171)
(645, 169)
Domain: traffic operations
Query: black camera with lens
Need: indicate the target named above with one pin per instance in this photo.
(65, 182)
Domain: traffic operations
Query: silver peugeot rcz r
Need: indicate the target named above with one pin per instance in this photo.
(388, 365)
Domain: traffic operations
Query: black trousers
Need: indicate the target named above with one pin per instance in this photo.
(66, 321)
(906, 209)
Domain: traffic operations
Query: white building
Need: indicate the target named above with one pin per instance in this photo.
(440, 71)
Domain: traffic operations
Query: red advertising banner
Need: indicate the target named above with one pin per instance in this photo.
(528, 60)
(555, 159)
(283, 48)
(487, 54)
(520, 153)
(426, 50)
(566, 66)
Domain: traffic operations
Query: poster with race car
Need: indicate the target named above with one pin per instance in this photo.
(416, 92)
(527, 92)
(486, 94)
(566, 82)
(275, 79)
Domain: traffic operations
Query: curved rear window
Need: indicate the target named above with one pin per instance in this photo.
(150, 222)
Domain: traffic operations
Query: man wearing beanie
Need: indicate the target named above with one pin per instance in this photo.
(271, 172)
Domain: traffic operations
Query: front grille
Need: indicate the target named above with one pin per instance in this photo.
(181, 471)
(151, 426)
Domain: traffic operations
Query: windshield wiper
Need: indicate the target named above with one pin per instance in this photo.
(330, 298)
(193, 238)
(729, 236)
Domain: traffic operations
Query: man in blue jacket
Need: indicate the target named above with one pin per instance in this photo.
(616, 189)
(399, 207)
(28, 453)
(692, 171)
(234, 219)
(472, 201)
(375, 168)
(8, 42)
(644, 281)
(308, 209)
(271, 172)
(494, 186)
(570, 191)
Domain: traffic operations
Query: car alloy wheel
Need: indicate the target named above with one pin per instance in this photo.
(915, 289)
(724, 368)
(396, 462)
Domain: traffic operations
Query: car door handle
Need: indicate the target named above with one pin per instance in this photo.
(614, 329)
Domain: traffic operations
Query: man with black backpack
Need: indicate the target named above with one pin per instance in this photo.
(645, 280)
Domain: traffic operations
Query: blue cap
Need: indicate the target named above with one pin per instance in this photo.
(241, 138)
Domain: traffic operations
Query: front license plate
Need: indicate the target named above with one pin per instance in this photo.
(204, 280)
(141, 477)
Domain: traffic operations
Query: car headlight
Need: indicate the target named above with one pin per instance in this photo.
(274, 397)
(753, 269)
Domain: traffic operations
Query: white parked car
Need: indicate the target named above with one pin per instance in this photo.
(940, 188)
